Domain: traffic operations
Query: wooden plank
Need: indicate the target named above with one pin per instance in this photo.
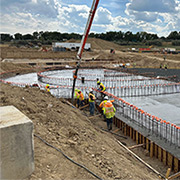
(174, 175)
(135, 146)
(84, 106)
(137, 137)
(118, 122)
(170, 160)
(144, 141)
(134, 134)
(164, 157)
(131, 132)
(125, 129)
(159, 153)
(147, 144)
(168, 172)
(176, 165)
(151, 149)
(128, 130)
(155, 150)
(91, 117)
(140, 138)
(116, 130)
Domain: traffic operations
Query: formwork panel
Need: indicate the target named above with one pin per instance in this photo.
(16, 145)
(170, 160)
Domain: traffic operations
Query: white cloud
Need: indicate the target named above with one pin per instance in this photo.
(103, 16)
(152, 6)
(27, 16)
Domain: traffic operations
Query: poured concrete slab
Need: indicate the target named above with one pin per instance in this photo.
(16, 144)
(165, 106)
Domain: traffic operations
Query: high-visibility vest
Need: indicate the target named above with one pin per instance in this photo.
(103, 102)
(81, 96)
(109, 110)
(47, 88)
(102, 87)
(93, 97)
(76, 95)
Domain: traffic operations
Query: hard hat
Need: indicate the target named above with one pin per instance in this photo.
(106, 98)
(76, 89)
(47, 85)
(90, 90)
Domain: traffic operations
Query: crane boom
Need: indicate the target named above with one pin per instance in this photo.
(83, 40)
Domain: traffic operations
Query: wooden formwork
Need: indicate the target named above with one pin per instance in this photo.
(154, 150)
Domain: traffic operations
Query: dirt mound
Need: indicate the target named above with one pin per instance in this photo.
(68, 129)
(99, 44)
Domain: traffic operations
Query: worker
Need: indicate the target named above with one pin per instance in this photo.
(109, 112)
(81, 98)
(102, 104)
(47, 87)
(101, 86)
(77, 96)
(92, 99)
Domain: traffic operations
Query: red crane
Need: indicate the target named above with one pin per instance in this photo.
(83, 40)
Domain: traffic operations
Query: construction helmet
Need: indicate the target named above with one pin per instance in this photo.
(76, 89)
(90, 90)
(106, 98)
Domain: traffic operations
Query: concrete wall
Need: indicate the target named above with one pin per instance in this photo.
(16, 144)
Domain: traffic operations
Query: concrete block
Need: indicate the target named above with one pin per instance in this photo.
(16, 144)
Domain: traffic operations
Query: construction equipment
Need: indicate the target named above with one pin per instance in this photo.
(83, 41)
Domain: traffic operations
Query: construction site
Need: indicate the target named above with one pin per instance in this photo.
(47, 134)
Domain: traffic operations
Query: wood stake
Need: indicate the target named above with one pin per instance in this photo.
(91, 117)
(84, 106)
(135, 146)
(168, 172)
(174, 175)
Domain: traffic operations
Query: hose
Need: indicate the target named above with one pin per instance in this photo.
(59, 150)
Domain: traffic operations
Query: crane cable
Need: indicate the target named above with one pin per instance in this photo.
(83, 41)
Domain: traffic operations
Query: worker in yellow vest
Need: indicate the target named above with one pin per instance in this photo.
(109, 112)
(81, 98)
(47, 87)
(92, 99)
(77, 96)
(101, 86)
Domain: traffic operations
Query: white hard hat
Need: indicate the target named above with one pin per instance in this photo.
(106, 97)
(90, 90)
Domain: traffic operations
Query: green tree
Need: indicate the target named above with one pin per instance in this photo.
(6, 37)
(18, 36)
(174, 35)
(27, 37)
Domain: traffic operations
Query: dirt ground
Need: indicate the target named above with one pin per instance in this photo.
(78, 136)
(100, 49)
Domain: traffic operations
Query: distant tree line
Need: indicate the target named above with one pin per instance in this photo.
(127, 38)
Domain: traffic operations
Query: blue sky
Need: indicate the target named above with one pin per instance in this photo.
(153, 16)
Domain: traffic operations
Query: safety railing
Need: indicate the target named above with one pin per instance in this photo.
(125, 86)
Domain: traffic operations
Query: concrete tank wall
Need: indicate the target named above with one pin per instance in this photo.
(16, 144)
